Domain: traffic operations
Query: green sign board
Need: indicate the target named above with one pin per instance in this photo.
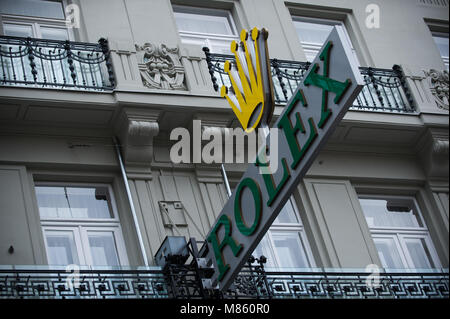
(319, 103)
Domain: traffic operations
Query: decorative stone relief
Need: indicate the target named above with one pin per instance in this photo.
(438, 82)
(434, 154)
(440, 147)
(439, 158)
(139, 141)
(136, 130)
(140, 132)
(160, 67)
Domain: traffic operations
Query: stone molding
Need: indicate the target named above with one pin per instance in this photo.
(439, 86)
(136, 135)
(434, 154)
(160, 67)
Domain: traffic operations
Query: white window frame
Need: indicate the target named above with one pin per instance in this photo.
(118, 239)
(36, 23)
(313, 47)
(398, 246)
(209, 40)
(399, 234)
(298, 229)
(77, 240)
(82, 226)
(81, 239)
(445, 59)
(115, 217)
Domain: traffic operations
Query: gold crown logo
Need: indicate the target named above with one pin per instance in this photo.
(251, 92)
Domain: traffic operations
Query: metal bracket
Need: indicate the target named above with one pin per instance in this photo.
(172, 213)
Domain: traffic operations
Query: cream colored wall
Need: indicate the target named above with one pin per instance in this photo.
(401, 38)
(327, 201)
(19, 220)
(370, 151)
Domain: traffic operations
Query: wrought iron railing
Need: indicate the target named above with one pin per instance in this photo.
(183, 282)
(339, 283)
(55, 64)
(384, 89)
(32, 282)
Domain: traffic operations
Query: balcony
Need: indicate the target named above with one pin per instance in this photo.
(181, 281)
(27, 62)
(384, 90)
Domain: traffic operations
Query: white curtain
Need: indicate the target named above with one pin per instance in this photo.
(103, 249)
(61, 250)
(73, 202)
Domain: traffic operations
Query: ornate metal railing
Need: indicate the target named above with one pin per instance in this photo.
(384, 89)
(84, 283)
(339, 283)
(183, 282)
(55, 64)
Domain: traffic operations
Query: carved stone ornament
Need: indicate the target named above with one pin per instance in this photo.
(138, 144)
(435, 154)
(438, 82)
(160, 67)
(136, 135)
(440, 147)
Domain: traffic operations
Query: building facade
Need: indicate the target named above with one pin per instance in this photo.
(80, 77)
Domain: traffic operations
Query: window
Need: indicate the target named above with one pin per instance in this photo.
(41, 20)
(212, 28)
(80, 225)
(285, 244)
(399, 233)
(35, 28)
(313, 33)
(33, 8)
(36, 19)
(442, 43)
(47, 29)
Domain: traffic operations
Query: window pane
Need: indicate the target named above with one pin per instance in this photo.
(312, 35)
(212, 28)
(419, 253)
(52, 202)
(54, 33)
(210, 24)
(61, 248)
(287, 215)
(388, 253)
(18, 30)
(73, 202)
(390, 213)
(290, 250)
(34, 8)
(312, 32)
(103, 249)
(89, 202)
(443, 45)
